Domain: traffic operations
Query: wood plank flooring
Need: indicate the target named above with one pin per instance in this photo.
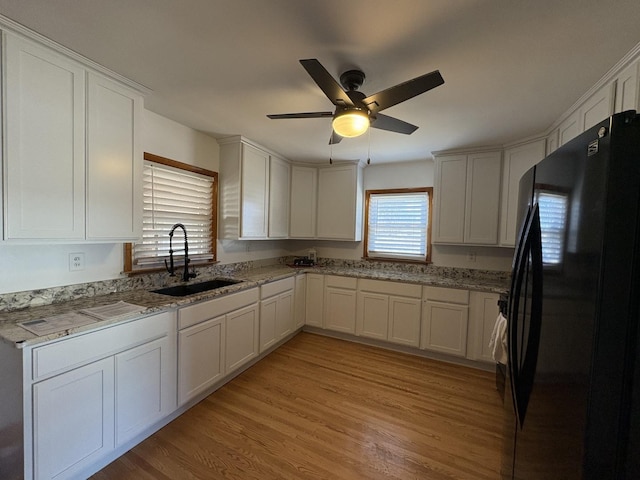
(322, 408)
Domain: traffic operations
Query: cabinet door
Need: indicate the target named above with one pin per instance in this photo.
(284, 314)
(114, 162)
(145, 386)
(449, 199)
(597, 107)
(340, 310)
(340, 203)
(482, 204)
(482, 318)
(278, 198)
(517, 161)
(569, 128)
(314, 304)
(444, 328)
(268, 315)
(73, 420)
(45, 148)
(200, 358)
(242, 332)
(304, 187)
(404, 320)
(299, 301)
(627, 89)
(372, 315)
(254, 193)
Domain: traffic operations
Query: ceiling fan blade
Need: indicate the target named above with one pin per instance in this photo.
(326, 82)
(279, 116)
(385, 122)
(335, 138)
(403, 91)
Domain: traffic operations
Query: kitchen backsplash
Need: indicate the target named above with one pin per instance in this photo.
(33, 298)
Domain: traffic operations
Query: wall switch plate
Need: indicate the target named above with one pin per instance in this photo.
(76, 262)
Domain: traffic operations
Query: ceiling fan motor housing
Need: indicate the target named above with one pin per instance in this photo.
(352, 79)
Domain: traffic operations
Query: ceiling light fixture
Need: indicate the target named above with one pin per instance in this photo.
(351, 122)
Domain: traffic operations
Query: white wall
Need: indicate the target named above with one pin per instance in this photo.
(410, 175)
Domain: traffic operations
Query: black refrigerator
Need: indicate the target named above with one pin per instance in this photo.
(573, 365)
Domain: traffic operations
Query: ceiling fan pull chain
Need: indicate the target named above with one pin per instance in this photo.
(331, 153)
(369, 148)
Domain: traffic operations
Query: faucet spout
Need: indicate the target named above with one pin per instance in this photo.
(170, 268)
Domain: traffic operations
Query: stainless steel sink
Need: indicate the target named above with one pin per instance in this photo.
(185, 289)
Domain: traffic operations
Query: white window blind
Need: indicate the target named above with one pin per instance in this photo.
(397, 225)
(171, 196)
(553, 223)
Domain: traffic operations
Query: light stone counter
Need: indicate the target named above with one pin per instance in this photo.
(140, 294)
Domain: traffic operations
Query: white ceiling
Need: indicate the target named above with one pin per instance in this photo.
(511, 67)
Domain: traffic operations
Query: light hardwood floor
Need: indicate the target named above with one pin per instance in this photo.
(321, 408)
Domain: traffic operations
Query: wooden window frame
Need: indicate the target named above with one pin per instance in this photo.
(368, 193)
(128, 247)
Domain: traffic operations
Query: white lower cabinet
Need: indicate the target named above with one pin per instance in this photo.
(299, 300)
(201, 357)
(276, 312)
(215, 338)
(372, 319)
(142, 394)
(73, 420)
(241, 340)
(340, 303)
(484, 311)
(445, 316)
(314, 302)
(92, 392)
(389, 311)
(404, 320)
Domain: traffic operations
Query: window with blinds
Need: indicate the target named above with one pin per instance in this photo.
(553, 209)
(174, 192)
(398, 224)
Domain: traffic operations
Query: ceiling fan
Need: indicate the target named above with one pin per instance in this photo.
(354, 111)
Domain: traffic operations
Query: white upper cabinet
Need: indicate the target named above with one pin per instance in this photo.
(517, 160)
(114, 168)
(72, 163)
(45, 143)
(340, 198)
(467, 198)
(254, 192)
(627, 89)
(279, 178)
(304, 188)
(597, 107)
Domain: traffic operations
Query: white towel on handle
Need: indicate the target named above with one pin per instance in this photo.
(498, 342)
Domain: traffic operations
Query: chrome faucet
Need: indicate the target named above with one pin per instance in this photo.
(170, 268)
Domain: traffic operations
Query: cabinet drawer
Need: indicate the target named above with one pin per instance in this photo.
(340, 282)
(449, 295)
(202, 311)
(72, 352)
(274, 288)
(390, 288)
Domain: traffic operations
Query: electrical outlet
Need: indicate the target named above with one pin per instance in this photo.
(471, 256)
(76, 261)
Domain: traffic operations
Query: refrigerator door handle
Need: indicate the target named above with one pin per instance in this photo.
(522, 373)
(517, 277)
(528, 369)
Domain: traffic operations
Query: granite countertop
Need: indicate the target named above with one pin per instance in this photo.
(12, 333)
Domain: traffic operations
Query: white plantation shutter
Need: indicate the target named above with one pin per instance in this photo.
(397, 225)
(553, 223)
(171, 196)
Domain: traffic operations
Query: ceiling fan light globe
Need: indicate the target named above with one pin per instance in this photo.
(351, 123)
